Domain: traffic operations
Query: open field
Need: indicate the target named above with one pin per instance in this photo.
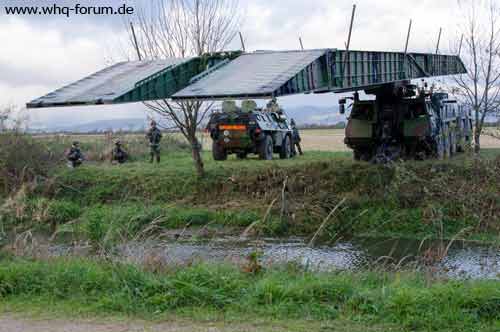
(312, 139)
(333, 140)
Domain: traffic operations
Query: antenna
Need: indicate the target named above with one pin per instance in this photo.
(242, 42)
(135, 41)
(439, 39)
(405, 59)
(408, 37)
(301, 45)
(460, 46)
(350, 27)
(349, 39)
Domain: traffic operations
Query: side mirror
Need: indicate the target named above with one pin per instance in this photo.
(342, 103)
(342, 109)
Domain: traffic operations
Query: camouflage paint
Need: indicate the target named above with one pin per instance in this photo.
(418, 127)
(359, 129)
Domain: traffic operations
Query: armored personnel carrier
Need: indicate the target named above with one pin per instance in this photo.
(405, 121)
(248, 129)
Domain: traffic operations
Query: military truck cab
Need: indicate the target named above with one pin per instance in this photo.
(250, 130)
(406, 122)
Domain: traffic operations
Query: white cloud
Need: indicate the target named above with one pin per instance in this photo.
(35, 61)
(36, 58)
(379, 25)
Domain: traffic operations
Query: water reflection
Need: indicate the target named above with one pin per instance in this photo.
(463, 260)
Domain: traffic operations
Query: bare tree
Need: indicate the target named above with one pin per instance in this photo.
(480, 51)
(179, 29)
(5, 112)
(13, 118)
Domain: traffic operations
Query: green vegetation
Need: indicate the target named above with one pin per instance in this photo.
(404, 301)
(108, 204)
(22, 159)
(102, 202)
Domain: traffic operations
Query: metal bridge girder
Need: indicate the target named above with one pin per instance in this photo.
(237, 75)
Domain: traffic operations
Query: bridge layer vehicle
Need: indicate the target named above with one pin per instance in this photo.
(415, 122)
(405, 121)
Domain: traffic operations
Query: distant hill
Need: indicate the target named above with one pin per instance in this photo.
(127, 124)
(303, 116)
(313, 115)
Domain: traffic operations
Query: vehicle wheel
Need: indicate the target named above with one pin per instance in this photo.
(362, 155)
(367, 155)
(453, 144)
(357, 155)
(266, 148)
(440, 147)
(447, 147)
(286, 148)
(241, 155)
(218, 152)
(460, 145)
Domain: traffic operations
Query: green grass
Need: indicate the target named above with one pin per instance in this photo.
(412, 199)
(406, 301)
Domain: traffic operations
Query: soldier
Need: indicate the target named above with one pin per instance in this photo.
(272, 105)
(118, 155)
(74, 155)
(154, 136)
(296, 138)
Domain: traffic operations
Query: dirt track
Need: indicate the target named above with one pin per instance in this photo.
(17, 323)
(11, 323)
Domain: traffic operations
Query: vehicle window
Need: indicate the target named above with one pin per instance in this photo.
(362, 112)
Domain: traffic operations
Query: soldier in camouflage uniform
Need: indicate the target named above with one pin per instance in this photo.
(118, 155)
(75, 155)
(296, 138)
(272, 106)
(154, 136)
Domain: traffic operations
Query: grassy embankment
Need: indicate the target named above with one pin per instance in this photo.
(107, 204)
(413, 199)
(355, 302)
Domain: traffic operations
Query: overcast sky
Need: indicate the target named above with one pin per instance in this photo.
(39, 54)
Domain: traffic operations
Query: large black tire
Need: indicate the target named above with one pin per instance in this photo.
(454, 144)
(460, 144)
(362, 155)
(241, 155)
(447, 147)
(440, 146)
(357, 154)
(266, 148)
(218, 152)
(286, 148)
